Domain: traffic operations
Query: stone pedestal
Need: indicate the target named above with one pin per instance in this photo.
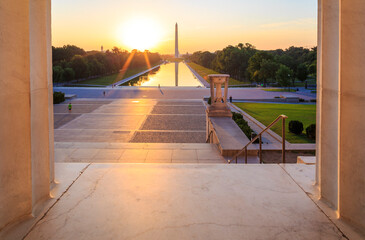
(218, 107)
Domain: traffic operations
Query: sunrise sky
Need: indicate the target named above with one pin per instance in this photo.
(203, 25)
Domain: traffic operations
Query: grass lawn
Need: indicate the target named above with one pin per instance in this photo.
(267, 112)
(204, 72)
(113, 78)
(279, 90)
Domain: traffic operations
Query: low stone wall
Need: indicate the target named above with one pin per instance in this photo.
(228, 136)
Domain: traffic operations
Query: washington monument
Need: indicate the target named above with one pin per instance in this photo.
(176, 42)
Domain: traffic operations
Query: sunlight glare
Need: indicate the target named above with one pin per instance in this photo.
(141, 34)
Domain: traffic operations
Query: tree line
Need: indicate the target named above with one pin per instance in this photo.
(245, 63)
(71, 62)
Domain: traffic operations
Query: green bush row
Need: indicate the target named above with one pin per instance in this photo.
(242, 124)
(58, 97)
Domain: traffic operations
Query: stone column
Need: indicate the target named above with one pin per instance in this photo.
(39, 97)
(15, 119)
(328, 90)
(352, 112)
(26, 126)
(50, 90)
(318, 109)
(341, 131)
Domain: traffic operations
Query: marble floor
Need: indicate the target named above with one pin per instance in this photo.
(185, 201)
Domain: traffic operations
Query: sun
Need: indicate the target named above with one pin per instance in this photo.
(140, 33)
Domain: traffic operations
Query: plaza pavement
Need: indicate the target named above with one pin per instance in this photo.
(133, 131)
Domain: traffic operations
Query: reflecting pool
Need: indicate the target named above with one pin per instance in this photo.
(169, 74)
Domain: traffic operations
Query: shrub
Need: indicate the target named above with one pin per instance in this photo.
(313, 100)
(311, 131)
(58, 97)
(236, 116)
(210, 101)
(242, 124)
(296, 127)
(301, 100)
(246, 129)
(240, 121)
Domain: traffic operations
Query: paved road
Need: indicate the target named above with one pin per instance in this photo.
(173, 93)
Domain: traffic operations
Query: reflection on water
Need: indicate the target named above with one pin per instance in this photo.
(169, 74)
(176, 74)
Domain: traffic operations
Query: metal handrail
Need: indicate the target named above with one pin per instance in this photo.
(208, 138)
(283, 117)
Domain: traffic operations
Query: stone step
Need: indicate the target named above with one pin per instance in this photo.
(97, 152)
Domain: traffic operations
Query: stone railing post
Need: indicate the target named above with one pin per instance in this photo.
(218, 107)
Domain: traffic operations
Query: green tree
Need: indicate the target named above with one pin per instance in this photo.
(302, 72)
(69, 74)
(286, 60)
(268, 70)
(57, 74)
(254, 65)
(116, 50)
(66, 53)
(284, 75)
(312, 69)
(79, 65)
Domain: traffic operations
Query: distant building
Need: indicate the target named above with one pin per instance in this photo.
(102, 49)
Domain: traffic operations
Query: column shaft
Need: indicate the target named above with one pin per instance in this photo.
(328, 89)
(15, 120)
(39, 84)
(352, 112)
